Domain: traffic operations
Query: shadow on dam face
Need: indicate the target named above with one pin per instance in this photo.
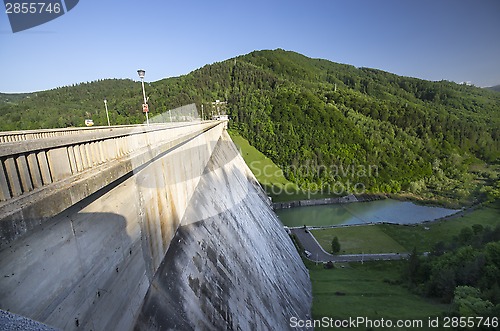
(77, 271)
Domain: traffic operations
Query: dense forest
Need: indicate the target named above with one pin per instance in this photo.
(313, 117)
(13, 98)
(465, 272)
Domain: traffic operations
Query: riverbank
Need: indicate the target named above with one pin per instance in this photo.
(449, 204)
(287, 194)
(436, 202)
(328, 201)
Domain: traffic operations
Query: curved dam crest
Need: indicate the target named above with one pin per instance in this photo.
(170, 230)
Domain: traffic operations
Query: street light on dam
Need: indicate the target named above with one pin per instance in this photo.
(106, 106)
(145, 108)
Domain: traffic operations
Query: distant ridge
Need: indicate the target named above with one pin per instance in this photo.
(495, 88)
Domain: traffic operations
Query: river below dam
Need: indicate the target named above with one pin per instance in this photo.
(387, 210)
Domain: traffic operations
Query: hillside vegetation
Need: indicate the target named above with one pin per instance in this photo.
(328, 126)
(13, 98)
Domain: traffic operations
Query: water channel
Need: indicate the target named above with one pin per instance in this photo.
(387, 210)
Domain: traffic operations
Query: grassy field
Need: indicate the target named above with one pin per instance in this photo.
(358, 240)
(267, 173)
(368, 290)
(387, 238)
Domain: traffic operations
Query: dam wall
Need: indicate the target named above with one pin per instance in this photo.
(135, 228)
(231, 265)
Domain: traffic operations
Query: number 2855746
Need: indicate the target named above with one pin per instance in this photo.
(32, 8)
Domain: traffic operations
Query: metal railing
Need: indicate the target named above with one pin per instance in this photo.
(24, 135)
(30, 160)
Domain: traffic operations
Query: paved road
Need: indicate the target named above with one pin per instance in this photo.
(319, 255)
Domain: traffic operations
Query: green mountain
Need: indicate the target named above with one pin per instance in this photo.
(71, 105)
(327, 125)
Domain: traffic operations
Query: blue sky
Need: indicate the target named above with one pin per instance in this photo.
(455, 40)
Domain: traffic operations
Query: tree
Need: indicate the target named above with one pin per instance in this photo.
(465, 236)
(413, 266)
(442, 284)
(335, 245)
(468, 302)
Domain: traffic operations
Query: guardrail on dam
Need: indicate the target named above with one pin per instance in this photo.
(136, 227)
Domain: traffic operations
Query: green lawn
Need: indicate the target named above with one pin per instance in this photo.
(367, 290)
(373, 289)
(359, 239)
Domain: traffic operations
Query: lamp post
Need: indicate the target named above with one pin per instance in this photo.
(106, 106)
(145, 108)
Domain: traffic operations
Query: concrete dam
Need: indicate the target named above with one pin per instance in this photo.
(159, 227)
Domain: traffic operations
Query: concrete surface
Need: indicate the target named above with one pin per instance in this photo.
(103, 262)
(231, 265)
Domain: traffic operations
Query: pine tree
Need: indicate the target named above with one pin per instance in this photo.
(335, 245)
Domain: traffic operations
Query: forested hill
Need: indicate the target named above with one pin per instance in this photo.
(310, 116)
(9, 98)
